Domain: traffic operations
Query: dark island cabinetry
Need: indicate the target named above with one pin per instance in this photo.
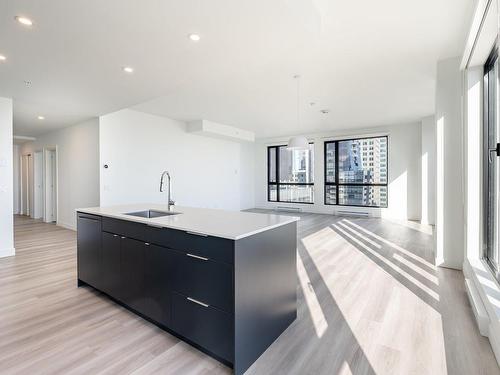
(229, 298)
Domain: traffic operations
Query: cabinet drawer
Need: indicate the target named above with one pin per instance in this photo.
(205, 280)
(206, 326)
(124, 228)
(215, 248)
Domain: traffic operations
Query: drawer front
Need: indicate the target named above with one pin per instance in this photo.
(206, 326)
(215, 248)
(124, 228)
(205, 280)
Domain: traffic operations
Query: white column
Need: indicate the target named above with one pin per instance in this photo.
(428, 160)
(473, 149)
(449, 193)
(6, 179)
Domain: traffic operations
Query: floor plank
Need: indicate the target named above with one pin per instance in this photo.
(370, 301)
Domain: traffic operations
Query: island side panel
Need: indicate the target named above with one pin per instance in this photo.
(265, 281)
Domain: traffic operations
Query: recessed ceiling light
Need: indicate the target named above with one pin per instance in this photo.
(2, 58)
(24, 21)
(128, 69)
(41, 117)
(194, 37)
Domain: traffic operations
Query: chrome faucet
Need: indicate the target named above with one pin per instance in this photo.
(170, 202)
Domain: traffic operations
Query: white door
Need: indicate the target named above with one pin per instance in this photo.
(53, 160)
(50, 186)
(31, 187)
(22, 176)
(25, 185)
(38, 185)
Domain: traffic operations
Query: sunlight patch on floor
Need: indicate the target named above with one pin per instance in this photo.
(391, 244)
(315, 310)
(432, 278)
(431, 293)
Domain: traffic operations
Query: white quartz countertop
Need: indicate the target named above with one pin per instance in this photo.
(232, 225)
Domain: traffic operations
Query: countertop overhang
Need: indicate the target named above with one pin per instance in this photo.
(233, 225)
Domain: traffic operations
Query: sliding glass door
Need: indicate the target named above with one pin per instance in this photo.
(491, 161)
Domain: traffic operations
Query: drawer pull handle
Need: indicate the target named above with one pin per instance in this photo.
(115, 235)
(197, 234)
(197, 302)
(123, 238)
(197, 257)
(146, 243)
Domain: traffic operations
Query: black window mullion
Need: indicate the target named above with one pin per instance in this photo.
(277, 171)
(337, 173)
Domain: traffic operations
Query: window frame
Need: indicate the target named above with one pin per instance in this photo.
(487, 67)
(277, 182)
(337, 183)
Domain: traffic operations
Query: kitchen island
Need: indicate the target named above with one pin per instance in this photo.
(223, 281)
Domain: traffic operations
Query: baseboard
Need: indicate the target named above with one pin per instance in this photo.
(440, 262)
(66, 226)
(7, 252)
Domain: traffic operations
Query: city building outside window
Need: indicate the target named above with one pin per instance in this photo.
(356, 172)
(290, 175)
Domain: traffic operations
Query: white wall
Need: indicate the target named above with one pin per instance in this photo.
(78, 167)
(206, 172)
(6, 179)
(16, 188)
(404, 171)
(428, 170)
(449, 193)
(247, 176)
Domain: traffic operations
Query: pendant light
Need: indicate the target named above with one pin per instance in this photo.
(298, 142)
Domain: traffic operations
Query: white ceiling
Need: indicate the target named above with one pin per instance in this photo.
(368, 62)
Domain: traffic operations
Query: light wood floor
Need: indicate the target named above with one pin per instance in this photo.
(370, 302)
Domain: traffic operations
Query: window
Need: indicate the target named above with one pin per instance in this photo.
(491, 175)
(290, 175)
(356, 172)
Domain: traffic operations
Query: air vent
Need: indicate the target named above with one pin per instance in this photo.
(352, 213)
(288, 209)
(478, 308)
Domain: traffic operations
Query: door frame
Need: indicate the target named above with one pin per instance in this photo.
(47, 188)
(24, 184)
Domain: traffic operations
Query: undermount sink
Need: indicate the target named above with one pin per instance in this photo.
(151, 213)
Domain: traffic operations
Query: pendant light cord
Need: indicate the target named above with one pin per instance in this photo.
(297, 77)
